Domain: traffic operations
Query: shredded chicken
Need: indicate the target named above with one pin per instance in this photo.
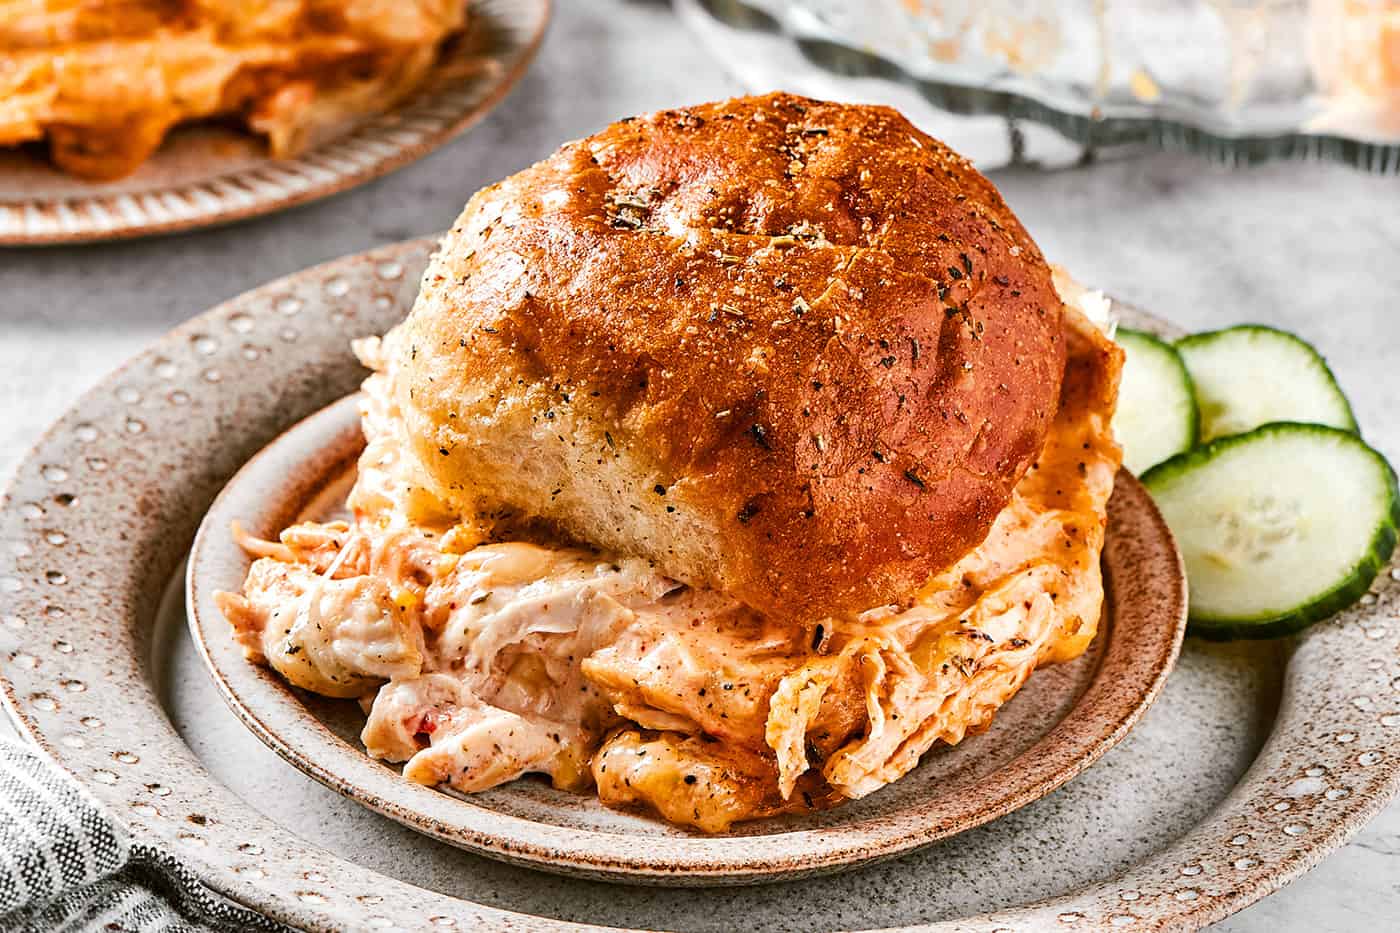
(485, 660)
(102, 83)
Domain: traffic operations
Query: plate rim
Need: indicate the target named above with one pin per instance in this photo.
(264, 186)
(262, 703)
(1328, 665)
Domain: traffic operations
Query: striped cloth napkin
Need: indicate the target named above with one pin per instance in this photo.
(66, 864)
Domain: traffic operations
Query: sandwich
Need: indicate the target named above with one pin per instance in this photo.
(729, 460)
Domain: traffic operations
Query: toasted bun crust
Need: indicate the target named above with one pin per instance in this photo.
(794, 350)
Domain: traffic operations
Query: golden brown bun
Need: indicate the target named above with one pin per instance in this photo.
(794, 350)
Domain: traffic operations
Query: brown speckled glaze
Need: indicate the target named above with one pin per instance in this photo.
(207, 174)
(99, 516)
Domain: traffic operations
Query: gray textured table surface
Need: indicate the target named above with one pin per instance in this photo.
(1313, 248)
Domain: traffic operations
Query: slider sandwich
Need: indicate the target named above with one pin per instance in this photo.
(730, 459)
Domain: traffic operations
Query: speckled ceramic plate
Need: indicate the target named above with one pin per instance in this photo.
(209, 174)
(1061, 722)
(1255, 761)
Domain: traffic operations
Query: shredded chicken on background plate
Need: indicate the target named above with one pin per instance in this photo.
(480, 662)
(104, 82)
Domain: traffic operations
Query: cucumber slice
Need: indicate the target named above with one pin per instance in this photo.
(1156, 416)
(1279, 527)
(1250, 375)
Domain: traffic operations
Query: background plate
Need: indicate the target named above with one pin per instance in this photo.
(207, 174)
(1062, 721)
(1256, 761)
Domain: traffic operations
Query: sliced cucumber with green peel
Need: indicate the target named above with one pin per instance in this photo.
(1279, 527)
(1250, 375)
(1156, 416)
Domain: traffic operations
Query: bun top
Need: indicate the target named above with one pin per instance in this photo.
(795, 350)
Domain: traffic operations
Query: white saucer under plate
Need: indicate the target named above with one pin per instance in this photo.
(1255, 762)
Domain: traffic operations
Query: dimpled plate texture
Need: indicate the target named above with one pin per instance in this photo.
(207, 174)
(99, 516)
(1062, 720)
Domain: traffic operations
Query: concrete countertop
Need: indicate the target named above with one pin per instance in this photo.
(1313, 248)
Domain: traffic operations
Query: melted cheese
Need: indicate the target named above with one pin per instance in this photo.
(483, 662)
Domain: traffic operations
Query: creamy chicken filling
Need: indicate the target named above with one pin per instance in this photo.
(483, 661)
